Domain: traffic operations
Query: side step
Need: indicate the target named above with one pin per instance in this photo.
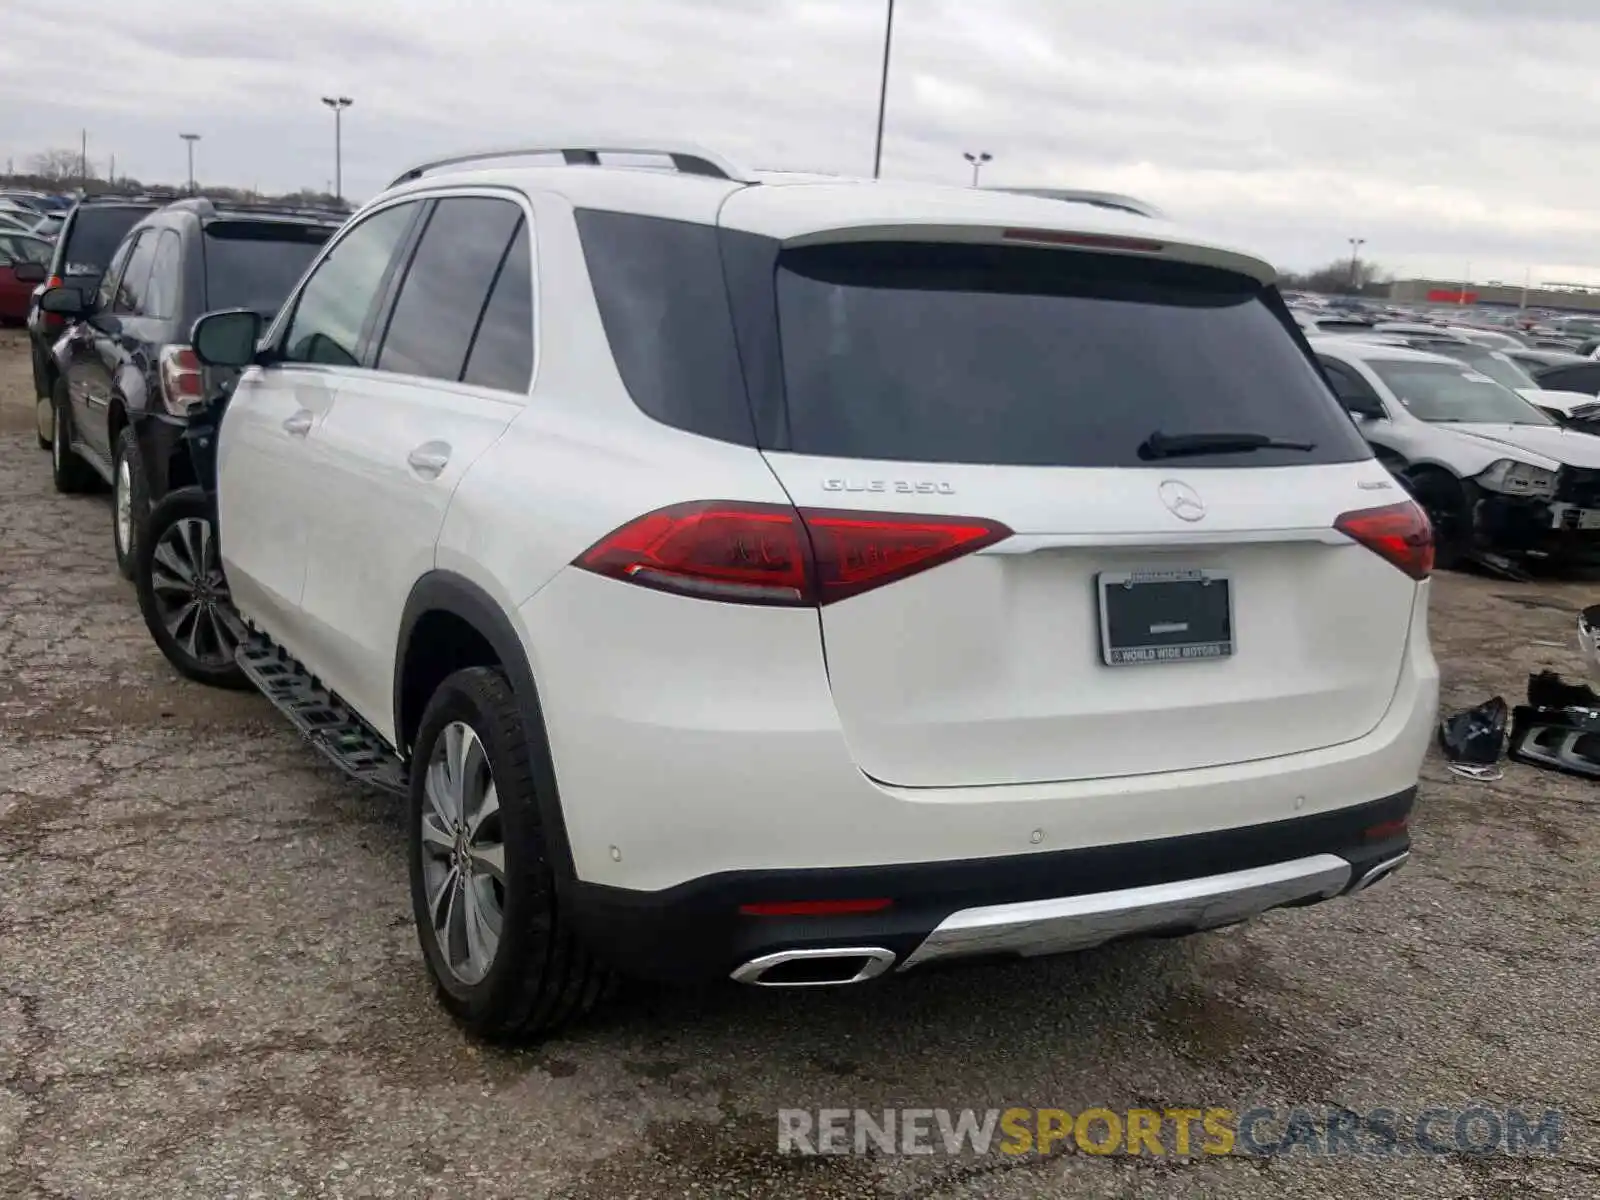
(343, 738)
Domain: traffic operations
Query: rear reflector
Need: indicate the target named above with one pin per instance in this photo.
(1090, 241)
(774, 554)
(1397, 532)
(1385, 830)
(814, 908)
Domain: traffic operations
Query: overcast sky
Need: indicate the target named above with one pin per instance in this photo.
(1444, 132)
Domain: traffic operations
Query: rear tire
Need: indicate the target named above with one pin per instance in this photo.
(504, 962)
(71, 475)
(1444, 498)
(130, 501)
(183, 596)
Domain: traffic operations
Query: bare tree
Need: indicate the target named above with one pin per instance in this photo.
(58, 166)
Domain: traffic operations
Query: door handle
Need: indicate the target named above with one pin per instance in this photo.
(429, 459)
(299, 424)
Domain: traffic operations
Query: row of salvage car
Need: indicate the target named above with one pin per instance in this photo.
(1506, 474)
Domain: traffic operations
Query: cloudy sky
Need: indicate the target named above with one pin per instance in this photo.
(1450, 134)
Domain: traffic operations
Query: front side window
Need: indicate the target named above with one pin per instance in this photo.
(336, 301)
(447, 286)
(130, 297)
(108, 282)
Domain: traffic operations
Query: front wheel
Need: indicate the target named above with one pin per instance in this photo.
(499, 951)
(183, 595)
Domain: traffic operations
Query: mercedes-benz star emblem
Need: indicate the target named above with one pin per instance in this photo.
(1182, 500)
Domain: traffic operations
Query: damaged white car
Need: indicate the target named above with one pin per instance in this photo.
(1495, 474)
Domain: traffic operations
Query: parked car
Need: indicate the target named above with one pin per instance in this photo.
(611, 575)
(89, 236)
(1565, 406)
(127, 376)
(17, 249)
(1492, 470)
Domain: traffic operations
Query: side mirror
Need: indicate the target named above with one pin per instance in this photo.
(1363, 409)
(29, 272)
(65, 302)
(227, 338)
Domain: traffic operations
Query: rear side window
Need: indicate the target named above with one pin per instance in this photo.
(255, 264)
(1012, 356)
(664, 305)
(502, 351)
(447, 287)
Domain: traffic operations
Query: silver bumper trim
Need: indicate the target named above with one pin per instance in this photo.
(1038, 927)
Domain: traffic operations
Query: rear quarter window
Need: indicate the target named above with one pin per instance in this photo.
(1012, 356)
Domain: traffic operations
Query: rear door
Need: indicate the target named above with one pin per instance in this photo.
(453, 363)
(1148, 613)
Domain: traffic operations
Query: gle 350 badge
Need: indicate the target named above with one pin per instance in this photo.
(905, 487)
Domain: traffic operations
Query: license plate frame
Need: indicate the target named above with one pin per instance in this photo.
(1165, 603)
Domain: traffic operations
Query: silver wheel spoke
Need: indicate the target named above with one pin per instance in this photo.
(490, 859)
(176, 619)
(436, 838)
(440, 894)
(168, 557)
(481, 941)
(441, 798)
(488, 806)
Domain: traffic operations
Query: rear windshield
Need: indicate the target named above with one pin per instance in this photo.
(94, 236)
(254, 264)
(1005, 355)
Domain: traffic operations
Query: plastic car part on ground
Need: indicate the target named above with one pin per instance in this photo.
(1472, 740)
(1559, 727)
(1589, 639)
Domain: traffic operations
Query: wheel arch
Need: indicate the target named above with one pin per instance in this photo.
(444, 600)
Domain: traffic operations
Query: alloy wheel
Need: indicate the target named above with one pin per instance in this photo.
(191, 594)
(463, 854)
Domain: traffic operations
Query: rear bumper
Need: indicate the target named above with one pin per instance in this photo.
(1025, 905)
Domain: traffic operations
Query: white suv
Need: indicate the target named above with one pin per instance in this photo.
(796, 579)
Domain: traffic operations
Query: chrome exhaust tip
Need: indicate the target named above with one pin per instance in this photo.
(1378, 873)
(828, 967)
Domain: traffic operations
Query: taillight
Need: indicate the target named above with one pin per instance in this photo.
(774, 554)
(182, 379)
(1398, 532)
(53, 321)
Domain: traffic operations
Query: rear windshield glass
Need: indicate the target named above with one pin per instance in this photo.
(254, 264)
(94, 237)
(1006, 355)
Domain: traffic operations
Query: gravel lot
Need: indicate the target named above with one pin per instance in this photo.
(209, 984)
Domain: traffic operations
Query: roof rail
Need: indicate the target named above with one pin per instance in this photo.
(1098, 199)
(687, 159)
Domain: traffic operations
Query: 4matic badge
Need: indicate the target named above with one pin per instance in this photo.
(905, 487)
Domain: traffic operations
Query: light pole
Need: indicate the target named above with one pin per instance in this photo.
(977, 160)
(883, 91)
(338, 104)
(1355, 263)
(191, 138)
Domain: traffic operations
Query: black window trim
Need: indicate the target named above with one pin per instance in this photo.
(1332, 366)
(110, 281)
(378, 328)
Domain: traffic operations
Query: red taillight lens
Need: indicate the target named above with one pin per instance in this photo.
(773, 554)
(53, 321)
(1385, 830)
(1398, 532)
(182, 379)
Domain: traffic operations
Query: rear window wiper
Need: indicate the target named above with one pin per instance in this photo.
(1179, 445)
